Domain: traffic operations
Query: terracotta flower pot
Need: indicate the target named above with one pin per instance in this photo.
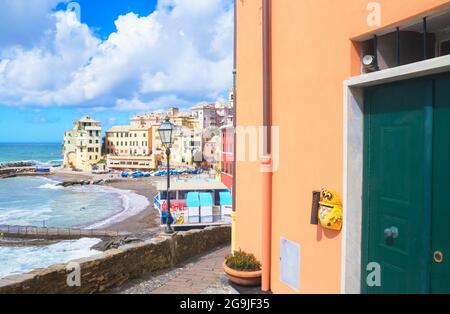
(243, 278)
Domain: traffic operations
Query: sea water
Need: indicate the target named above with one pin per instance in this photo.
(40, 153)
(17, 260)
(39, 201)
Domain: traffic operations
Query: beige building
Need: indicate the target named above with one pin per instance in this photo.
(128, 140)
(191, 145)
(83, 145)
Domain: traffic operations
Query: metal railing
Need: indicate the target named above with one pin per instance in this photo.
(55, 231)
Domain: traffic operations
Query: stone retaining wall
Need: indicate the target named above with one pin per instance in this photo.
(114, 267)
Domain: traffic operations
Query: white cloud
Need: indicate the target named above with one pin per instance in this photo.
(24, 22)
(181, 52)
(136, 104)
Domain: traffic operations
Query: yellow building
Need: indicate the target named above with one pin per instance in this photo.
(130, 147)
(126, 140)
(83, 145)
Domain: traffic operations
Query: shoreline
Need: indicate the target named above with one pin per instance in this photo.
(144, 221)
(137, 217)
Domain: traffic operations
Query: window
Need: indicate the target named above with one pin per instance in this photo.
(173, 195)
(405, 44)
(182, 195)
(445, 48)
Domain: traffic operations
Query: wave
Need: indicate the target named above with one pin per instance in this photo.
(35, 162)
(132, 205)
(50, 186)
(129, 204)
(18, 260)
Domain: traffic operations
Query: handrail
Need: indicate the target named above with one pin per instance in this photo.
(55, 231)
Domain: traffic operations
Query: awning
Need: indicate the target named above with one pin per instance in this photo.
(225, 198)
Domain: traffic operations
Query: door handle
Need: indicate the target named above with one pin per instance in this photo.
(391, 233)
(438, 257)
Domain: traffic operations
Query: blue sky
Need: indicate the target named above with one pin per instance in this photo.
(122, 58)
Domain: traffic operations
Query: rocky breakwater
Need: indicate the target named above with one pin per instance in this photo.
(82, 182)
(10, 170)
(20, 164)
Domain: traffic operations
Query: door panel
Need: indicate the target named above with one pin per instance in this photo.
(440, 272)
(394, 185)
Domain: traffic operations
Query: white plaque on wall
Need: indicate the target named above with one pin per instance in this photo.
(290, 263)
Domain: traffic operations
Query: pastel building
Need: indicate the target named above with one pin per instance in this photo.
(130, 147)
(83, 145)
(227, 160)
(212, 115)
(129, 141)
(356, 94)
(191, 145)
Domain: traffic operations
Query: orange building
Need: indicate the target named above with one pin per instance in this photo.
(308, 69)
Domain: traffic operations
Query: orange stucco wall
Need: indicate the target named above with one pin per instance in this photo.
(312, 55)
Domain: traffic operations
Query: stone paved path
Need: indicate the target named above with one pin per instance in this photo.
(200, 275)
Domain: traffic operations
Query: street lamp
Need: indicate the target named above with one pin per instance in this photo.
(166, 133)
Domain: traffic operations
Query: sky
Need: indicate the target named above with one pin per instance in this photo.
(60, 60)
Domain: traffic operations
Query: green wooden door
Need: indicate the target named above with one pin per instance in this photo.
(440, 216)
(396, 165)
(406, 210)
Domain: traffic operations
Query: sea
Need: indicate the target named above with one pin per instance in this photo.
(49, 154)
(39, 201)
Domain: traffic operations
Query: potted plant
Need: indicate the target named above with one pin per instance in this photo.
(243, 269)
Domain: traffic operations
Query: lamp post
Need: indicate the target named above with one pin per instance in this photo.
(166, 132)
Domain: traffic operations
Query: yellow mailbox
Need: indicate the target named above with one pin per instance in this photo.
(330, 210)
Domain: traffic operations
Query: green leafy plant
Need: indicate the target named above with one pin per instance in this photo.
(243, 261)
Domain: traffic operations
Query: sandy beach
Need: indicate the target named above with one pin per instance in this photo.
(145, 223)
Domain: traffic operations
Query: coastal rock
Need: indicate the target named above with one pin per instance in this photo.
(98, 182)
(73, 183)
(20, 164)
(69, 183)
(115, 243)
